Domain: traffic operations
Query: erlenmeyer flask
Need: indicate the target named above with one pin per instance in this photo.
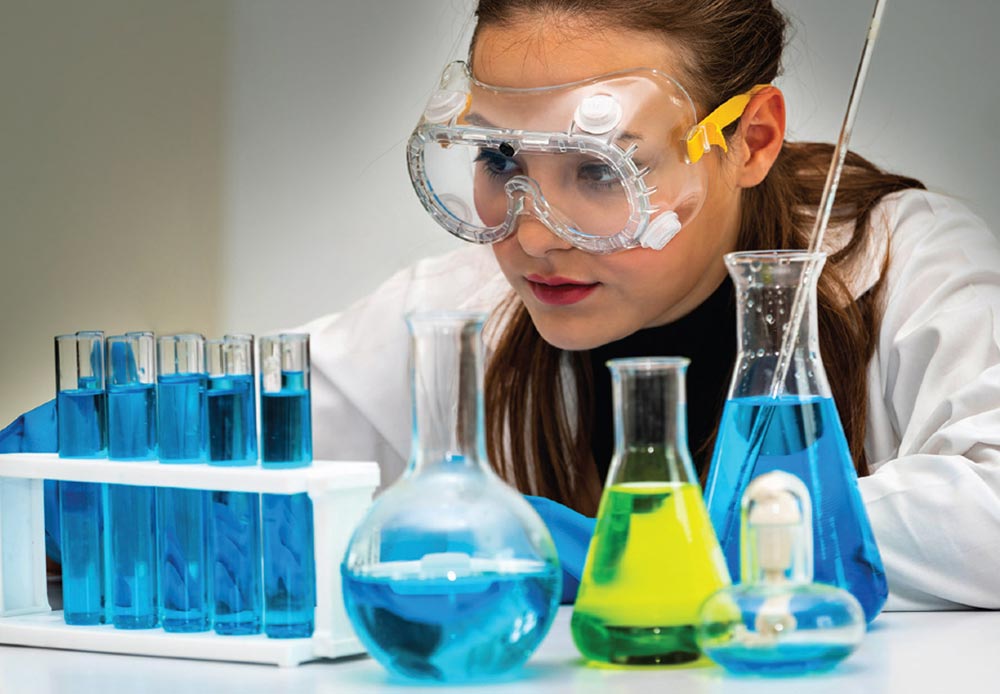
(798, 432)
(451, 575)
(653, 558)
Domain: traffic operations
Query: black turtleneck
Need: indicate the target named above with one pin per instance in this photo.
(706, 336)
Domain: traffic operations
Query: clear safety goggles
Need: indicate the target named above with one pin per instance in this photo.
(607, 164)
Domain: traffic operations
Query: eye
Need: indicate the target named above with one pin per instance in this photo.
(496, 163)
(597, 174)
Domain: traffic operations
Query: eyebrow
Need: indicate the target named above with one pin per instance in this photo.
(476, 119)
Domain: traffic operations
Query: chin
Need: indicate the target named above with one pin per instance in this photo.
(573, 336)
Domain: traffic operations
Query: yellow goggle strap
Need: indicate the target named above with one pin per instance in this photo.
(709, 131)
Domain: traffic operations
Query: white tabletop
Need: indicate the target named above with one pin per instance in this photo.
(904, 652)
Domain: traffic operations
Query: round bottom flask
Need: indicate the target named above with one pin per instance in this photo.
(778, 622)
(451, 576)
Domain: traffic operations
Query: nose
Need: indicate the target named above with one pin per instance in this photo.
(530, 207)
(536, 239)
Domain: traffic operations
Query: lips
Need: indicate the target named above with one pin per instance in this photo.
(559, 291)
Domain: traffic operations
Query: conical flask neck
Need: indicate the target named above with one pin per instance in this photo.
(447, 390)
(766, 283)
(650, 420)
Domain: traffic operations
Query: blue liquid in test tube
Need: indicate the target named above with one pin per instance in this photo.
(130, 510)
(181, 416)
(237, 570)
(82, 432)
(232, 436)
(182, 514)
(289, 570)
(81, 420)
(232, 428)
(286, 442)
(286, 429)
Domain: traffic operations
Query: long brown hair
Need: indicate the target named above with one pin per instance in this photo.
(538, 423)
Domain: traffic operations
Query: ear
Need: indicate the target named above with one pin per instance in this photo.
(759, 136)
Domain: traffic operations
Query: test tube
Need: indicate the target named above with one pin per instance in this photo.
(286, 442)
(181, 398)
(80, 395)
(232, 435)
(286, 426)
(82, 432)
(130, 510)
(232, 413)
(182, 514)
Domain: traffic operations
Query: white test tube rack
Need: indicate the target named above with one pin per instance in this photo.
(340, 491)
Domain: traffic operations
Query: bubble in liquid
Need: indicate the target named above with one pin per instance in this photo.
(769, 318)
(760, 352)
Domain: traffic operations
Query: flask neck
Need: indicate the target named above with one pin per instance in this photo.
(650, 421)
(447, 391)
(766, 283)
(776, 544)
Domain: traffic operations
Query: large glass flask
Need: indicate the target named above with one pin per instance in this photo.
(653, 558)
(451, 575)
(799, 431)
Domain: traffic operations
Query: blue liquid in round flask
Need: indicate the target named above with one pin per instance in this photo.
(778, 622)
(798, 431)
(451, 576)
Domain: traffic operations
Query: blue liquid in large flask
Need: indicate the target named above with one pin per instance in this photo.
(451, 576)
(798, 432)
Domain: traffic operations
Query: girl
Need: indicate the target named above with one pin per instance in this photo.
(909, 300)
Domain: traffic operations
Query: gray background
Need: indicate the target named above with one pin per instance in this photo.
(237, 165)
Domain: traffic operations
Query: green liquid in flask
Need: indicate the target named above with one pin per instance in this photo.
(653, 560)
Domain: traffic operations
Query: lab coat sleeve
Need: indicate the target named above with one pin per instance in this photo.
(934, 410)
(360, 356)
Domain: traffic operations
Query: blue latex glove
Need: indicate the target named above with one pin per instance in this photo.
(35, 432)
(571, 532)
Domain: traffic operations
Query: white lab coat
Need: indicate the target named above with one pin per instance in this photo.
(933, 397)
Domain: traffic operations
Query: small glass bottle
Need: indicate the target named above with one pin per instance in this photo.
(778, 622)
(653, 558)
(81, 403)
(232, 434)
(182, 514)
(131, 510)
(286, 442)
(798, 431)
(451, 576)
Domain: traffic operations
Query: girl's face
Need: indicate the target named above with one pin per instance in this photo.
(578, 300)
